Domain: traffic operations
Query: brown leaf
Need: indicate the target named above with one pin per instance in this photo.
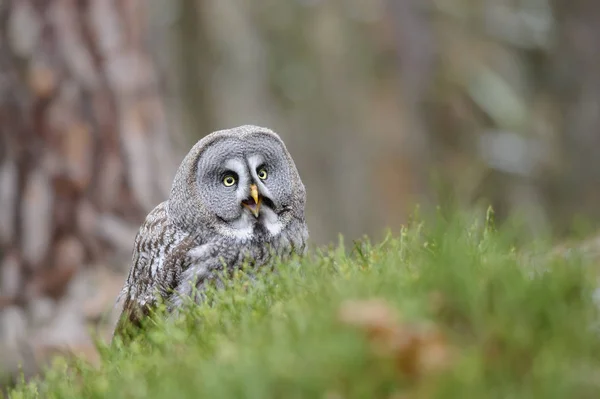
(435, 353)
(417, 349)
(374, 315)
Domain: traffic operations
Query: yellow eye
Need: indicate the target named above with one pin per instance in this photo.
(262, 174)
(229, 181)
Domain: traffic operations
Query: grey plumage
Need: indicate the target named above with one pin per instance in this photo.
(209, 223)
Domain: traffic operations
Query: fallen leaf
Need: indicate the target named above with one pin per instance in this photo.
(373, 315)
(417, 349)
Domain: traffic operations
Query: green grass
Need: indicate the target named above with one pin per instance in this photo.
(513, 331)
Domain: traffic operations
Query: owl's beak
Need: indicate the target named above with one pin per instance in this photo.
(253, 204)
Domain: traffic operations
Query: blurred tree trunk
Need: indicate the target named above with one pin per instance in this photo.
(576, 81)
(84, 150)
(194, 70)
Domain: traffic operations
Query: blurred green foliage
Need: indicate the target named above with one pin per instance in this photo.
(509, 329)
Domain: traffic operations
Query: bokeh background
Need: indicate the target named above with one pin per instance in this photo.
(384, 104)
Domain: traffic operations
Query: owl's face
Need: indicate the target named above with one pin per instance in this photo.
(248, 183)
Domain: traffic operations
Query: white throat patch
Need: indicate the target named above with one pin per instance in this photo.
(271, 221)
(241, 229)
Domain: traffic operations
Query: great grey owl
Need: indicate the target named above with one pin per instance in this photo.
(237, 196)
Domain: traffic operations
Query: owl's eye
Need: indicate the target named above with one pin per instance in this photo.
(229, 180)
(262, 174)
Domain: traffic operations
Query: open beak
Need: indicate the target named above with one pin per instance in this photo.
(253, 203)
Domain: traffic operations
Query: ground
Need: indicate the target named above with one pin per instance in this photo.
(444, 309)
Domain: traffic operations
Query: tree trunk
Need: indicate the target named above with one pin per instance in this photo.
(576, 82)
(84, 148)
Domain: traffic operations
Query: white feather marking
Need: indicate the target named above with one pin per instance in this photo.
(239, 167)
(255, 161)
(271, 222)
(241, 229)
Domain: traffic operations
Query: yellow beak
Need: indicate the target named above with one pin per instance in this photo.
(255, 207)
(254, 193)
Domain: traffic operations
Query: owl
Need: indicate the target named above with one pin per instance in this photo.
(237, 198)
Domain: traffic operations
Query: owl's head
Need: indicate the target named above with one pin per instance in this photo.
(235, 181)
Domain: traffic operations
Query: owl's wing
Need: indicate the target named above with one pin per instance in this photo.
(156, 264)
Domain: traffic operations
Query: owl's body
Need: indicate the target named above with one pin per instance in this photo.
(237, 197)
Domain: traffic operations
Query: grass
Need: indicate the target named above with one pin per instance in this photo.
(474, 320)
